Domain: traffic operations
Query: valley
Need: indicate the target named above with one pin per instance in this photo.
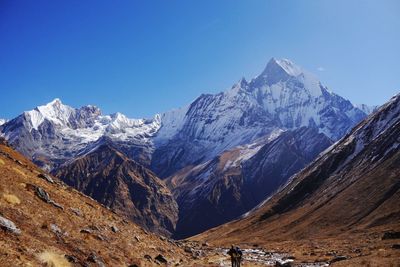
(282, 167)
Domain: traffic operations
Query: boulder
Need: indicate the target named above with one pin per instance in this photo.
(46, 177)
(160, 258)
(114, 229)
(96, 259)
(9, 226)
(148, 257)
(43, 195)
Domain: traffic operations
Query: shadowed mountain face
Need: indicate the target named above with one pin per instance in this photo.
(353, 186)
(236, 181)
(130, 189)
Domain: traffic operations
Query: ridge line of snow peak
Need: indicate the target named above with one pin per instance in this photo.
(283, 96)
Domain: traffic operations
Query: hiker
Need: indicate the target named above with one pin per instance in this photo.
(236, 256)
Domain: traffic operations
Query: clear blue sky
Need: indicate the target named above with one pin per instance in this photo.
(142, 57)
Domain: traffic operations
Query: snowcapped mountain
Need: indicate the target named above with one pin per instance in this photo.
(352, 187)
(54, 133)
(2, 121)
(283, 96)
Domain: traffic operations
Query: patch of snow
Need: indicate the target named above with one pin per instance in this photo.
(290, 68)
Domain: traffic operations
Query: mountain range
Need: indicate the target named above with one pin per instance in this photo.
(223, 152)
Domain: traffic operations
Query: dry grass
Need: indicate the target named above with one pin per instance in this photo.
(19, 171)
(2, 162)
(12, 199)
(117, 249)
(52, 259)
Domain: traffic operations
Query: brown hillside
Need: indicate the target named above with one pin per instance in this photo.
(52, 220)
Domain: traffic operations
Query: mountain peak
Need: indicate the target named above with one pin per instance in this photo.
(285, 65)
(56, 101)
(55, 104)
(279, 70)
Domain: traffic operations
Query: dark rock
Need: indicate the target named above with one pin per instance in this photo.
(338, 258)
(55, 204)
(188, 250)
(396, 246)
(160, 258)
(77, 212)
(9, 226)
(137, 238)
(133, 265)
(87, 231)
(391, 235)
(148, 257)
(289, 258)
(114, 229)
(96, 259)
(71, 258)
(46, 177)
(43, 195)
(100, 237)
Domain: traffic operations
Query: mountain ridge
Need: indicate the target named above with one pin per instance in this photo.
(283, 96)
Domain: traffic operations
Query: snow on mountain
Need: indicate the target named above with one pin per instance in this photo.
(283, 96)
(2, 121)
(53, 133)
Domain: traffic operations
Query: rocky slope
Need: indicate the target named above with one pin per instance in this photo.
(352, 188)
(239, 179)
(123, 185)
(43, 222)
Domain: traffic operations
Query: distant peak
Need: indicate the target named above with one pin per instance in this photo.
(56, 101)
(283, 64)
(118, 116)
